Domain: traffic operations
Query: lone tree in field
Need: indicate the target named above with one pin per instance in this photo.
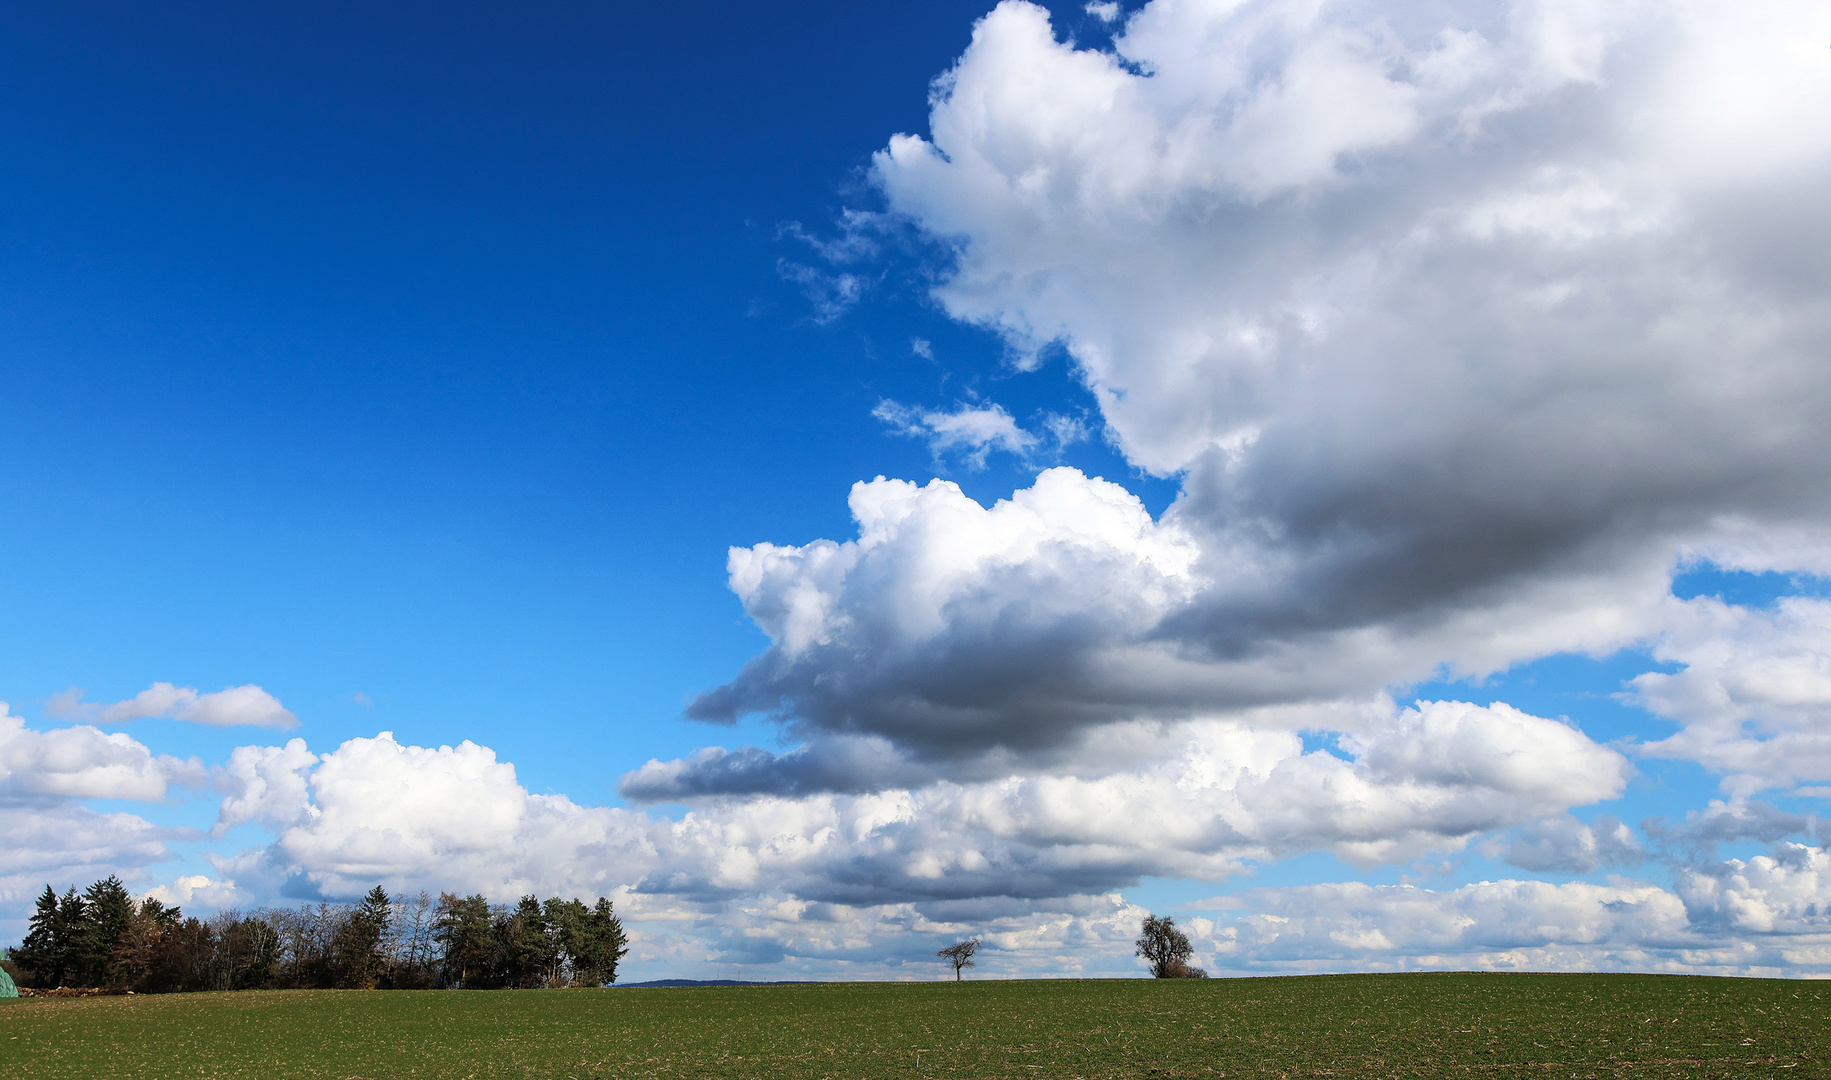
(1167, 950)
(961, 955)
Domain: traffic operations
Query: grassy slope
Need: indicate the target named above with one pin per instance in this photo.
(1350, 1025)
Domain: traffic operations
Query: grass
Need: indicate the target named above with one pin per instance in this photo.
(1424, 1025)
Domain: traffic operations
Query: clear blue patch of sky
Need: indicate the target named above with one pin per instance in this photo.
(1585, 690)
(1745, 588)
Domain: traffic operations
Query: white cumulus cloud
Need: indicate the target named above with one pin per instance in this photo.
(956, 628)
(409, 817)
(1461, 323)
(1417, 780)
(43, 767)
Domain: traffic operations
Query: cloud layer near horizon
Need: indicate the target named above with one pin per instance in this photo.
(1421, 780)
(832, 883)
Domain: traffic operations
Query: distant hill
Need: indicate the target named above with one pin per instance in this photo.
(705, 982)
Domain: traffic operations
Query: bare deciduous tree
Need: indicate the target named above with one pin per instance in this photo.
(960, 955)
(1167, 949)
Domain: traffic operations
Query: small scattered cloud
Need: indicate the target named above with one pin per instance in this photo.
(972, 431)
(833, 290)
(830, 294)
(857, 240)
(922, 347)
(363, 699)
(1107, 12)
(1065, 431)
(235, 706)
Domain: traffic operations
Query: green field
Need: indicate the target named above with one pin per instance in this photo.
(1346, 1025)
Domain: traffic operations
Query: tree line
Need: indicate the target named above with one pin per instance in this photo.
(102, 937)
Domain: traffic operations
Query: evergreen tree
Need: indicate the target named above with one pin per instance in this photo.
(359, 948)
(601, 944)
(536, 953)
(45, 952)
(107, 906)
(568, 919)
(72, 918)
(465, 928)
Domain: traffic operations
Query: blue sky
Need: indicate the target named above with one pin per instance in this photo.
(438, 361)
(420, 366)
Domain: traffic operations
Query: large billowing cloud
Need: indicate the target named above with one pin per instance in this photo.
(1425, 779)
(1462, 328)
(410, 817)
(956, 629)
(1462, 325)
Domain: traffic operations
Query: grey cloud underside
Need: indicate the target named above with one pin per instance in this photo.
(831, 765)
(980, 691)
(1597, 460)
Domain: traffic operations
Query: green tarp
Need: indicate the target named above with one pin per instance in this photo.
(7, 989)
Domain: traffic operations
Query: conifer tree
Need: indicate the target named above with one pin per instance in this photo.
(360, 948)
(45, 952)
(107, 906)
(467, 931)
(602, 944)
(535, 945)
